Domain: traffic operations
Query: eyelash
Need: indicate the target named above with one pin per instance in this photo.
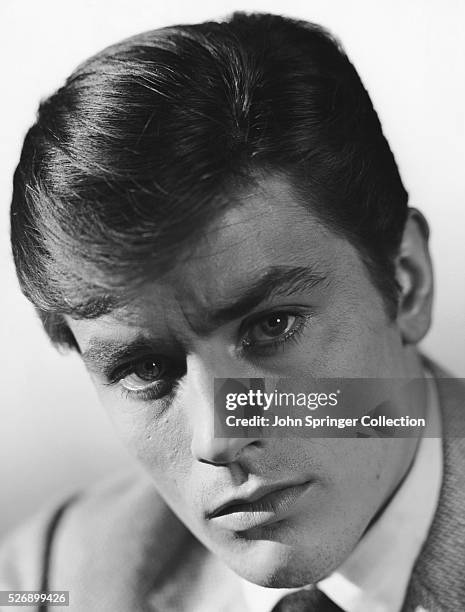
(246, 350)
(149, 394)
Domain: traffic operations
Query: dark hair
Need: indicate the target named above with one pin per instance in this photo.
(135, 153)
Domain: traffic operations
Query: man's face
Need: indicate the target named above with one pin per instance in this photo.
(268, 292)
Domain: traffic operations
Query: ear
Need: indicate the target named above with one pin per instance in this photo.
(414, 274)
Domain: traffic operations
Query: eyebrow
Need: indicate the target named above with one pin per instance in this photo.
(102, 355)
(278, 281)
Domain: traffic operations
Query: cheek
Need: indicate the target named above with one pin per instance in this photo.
(348, 346)
(355, 339)
(369, 469)
(156, 436)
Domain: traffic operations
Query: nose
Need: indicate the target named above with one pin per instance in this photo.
(218, 451)
(205, 446)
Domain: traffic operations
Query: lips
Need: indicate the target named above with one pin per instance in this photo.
(263, 506)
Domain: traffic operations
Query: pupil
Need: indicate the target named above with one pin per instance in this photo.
(276, 325)
(150, 369)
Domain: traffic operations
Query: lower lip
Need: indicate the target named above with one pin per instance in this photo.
(271, 508)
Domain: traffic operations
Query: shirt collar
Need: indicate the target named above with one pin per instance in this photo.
(376, 574)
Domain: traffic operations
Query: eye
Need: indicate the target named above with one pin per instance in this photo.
(272, 327)
(144, 373)
(272, 330)
(150, 377)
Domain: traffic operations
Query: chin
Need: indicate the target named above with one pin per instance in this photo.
(275, 564)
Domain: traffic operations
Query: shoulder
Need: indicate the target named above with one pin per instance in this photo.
(24, 551)
(91, 534)
(440, 568)
(451, 396)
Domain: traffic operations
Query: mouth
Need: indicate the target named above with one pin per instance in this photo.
(261, 508)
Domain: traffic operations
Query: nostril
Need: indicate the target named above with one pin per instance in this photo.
(221, 451)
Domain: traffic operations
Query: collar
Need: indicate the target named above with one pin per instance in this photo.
(375, 576)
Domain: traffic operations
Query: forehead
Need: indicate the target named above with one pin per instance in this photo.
(266, 229)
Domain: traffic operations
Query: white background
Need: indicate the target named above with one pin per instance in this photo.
(411, 55)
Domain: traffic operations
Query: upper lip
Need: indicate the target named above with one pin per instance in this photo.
(250, 498)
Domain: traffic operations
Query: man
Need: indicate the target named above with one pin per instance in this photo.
(219, 201)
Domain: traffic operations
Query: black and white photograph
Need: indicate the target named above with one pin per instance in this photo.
(233, 308)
